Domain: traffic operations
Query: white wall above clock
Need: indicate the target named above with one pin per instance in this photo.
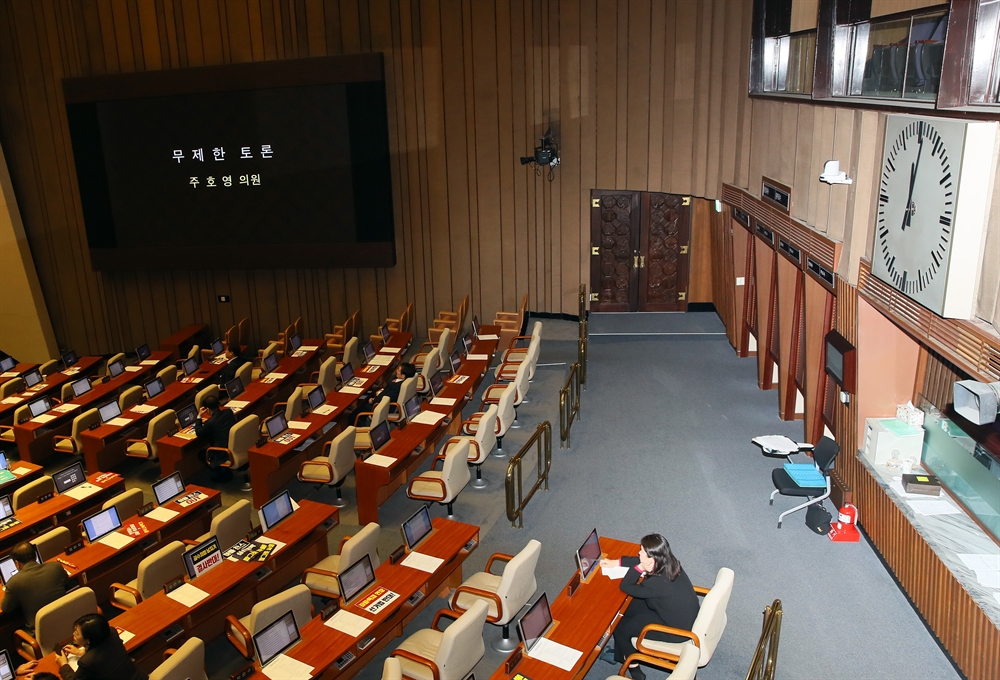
(933, 206)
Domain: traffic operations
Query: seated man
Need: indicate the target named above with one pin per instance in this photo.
(212, 426)
(404, 371)
(33, 586)
(234, 360)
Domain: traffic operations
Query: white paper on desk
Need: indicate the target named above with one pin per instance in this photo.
(72, 370)
(298, 424)
(236, 405)
(12, 400)
(380, 460)
(477, 357)
(20, 471)
(162, 514)
(325, 410)
(422, 562)
(66, 408)
(489, 336)
(81, 491)
(381, 360)
(284, 667)
(119, 422)
(348, 623)
(989, 578)
(186, 435)
(9, 374)
(143, 408)
(189, 379)
(277, 376)
(134, 369)
(308, 348)
(188, 595)
(614, 573)
(443, 401)
(352, 390)
(457, 379)
(428, 417)
(148, 362)
(555, 654)
(936, 507)
(384, 350)
(44, 418)
(124, 635)
(115, 540)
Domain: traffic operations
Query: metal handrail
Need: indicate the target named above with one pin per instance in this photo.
(516, 500)
(581, 351)
(765, 656)
(569, 404)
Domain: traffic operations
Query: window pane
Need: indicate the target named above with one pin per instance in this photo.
(885, 65)
(926, 52)
(801, 58)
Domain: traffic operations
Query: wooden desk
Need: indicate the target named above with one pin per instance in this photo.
(34, 437)
(232, 587)
(181, 342)
(16, 372)
(50, 386)
(583, 620)
(33, 473)
(60, 510)
(411, 445)
(322, 645)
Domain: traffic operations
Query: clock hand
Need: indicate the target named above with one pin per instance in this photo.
(907, 214)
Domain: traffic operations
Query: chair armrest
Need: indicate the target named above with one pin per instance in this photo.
(229, 454)
(666, 664)
(278, 406)
(507, 324)
(345, 539)
(467, 426)
(313, 378)
(429, 480)
(128, 442)
(438, 459)
(444, 613)
(701, 590)
(362, 414)
(63, 438)
(190, 541)
(128, 589)
(318, 572)
(498, 557)
(31, 642)
(507, 315)
(657, 628)
(244, 643)
(167, 653)
(428, 345)
(318, 463)
(410, 656)
(477, 593)
(447, 316)
(394, 417)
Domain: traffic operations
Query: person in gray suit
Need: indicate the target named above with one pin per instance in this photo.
(33, 586)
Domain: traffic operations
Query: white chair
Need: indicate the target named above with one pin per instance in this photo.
(431, 654)
(407, 390)
(30, 492)
(49, 367)
(362, 441)
(12, 387)
(229, 526)
(684, 668)
(494, 393)
(204, 393)
(161, 425)
(54, 624)
(130, 397)
(167, 375)
(292, 407)
(334, 465)
(325, 377)
(162, 566)
(242, 437)
(350, 355)
(126, 503)
(391, 670)
(505, 594)
(505, 417)
(480, 444)
(321, 578)
(427, 371)
(21, 414)
(245, 374)
(52, 543)
(240, 632)
(187, 662)
(427, 348)
(515, 355)
(73, 444)
(443, 486)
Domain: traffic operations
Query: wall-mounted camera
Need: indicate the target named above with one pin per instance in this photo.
(546, 153)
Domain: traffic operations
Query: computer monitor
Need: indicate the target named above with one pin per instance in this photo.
(217, 347)
(168, 488)
(416, 528)
(379, 435)
(6, 667)
(7, 363)
(270, 363)
(4, 463)
(295, 341)
(437, 383)
(190, 366)
(234, 388)
(39, 406)
(316, 397)
(589, 554)
(69, 477)
(154, 387)
(412, 407)
(275, 425)
(369, 350)
(7, 569)
(187, 415)
(116, 368)
(80, 387)
(6, 509)
(277, 638)
(109, 411)
(69, 359)
(456, 360)
(346, 372)
(32, 377)
(202, 557)
(275, 510)
(142, 351)
(384, 330)
(356, 578)
(102, 524)
(535, 622)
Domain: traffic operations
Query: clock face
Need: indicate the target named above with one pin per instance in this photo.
(916, 206)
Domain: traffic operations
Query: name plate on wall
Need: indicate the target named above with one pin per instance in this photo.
(777, 194)
(824, 275)
(793, 253)
(765, 233)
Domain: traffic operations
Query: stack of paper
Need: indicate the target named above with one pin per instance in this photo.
(380, 460)
(12, 400)
(143, 408)
(986, 568)
(298, 424)
(422, 562)
(348, 623)
(119, 422)
(44, 418)
(443, 401)
(21, 471)
(489, 336)
(352, 390)
(381, 360)
(615, 573)
(477, 357)
(384, 350)
(148, 362)
(81, 491)
(162, 514)
(309, 348)
(284, 667)
(115, 540)
(428, 417)
(188, 595)
(66, 408)
(325, 410)
(134, 369)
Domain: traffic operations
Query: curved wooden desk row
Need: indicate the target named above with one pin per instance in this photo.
(51, 386)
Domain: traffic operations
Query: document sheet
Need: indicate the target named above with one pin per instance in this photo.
(284, 667)
(428, 418)
(349, 623)
(188, 595)
(162, 514)
(422, 562)
(555, 654)
(81, 491)
(380, 460)
(115, 540)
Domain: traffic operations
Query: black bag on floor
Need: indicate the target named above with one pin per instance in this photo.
(818, 518)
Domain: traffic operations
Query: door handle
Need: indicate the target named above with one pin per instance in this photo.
(642, 262)
(635, 262)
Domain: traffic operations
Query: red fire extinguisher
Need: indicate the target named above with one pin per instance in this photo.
(845, 529)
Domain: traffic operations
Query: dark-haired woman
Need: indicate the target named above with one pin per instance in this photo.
(102, 654)
(664, 596)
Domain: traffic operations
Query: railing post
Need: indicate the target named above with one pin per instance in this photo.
(514, 488)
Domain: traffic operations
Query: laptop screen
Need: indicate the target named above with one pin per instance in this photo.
(295, 341)
(4, 463)
(203, 557)
(437, 383)
(276, 424)
(384, 330)
(39, 406)
(80, 387)
(109, 411)
(101, 524)
(589, 554)
(468, 343)
(7, 363)
(276, 638)
(346, 372)
(69, 358)
(6, 509)
(316, 397)
(116, 368)
(416, 528)
(234, 388)
(154, 387)
(475, 325)
(69, 477)
(369, 350)
(275, 510)
(190, 366)
(456, 361)
(187, 415)
(270, 362)
(168, 488)
(379, 435)
(7, 569)
(412, 407)
(32, 377)
(217, 347)
(6, 668)
(142, 351)
(356, 578)
(535, 622)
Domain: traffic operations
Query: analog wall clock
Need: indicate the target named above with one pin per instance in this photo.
(933, 202)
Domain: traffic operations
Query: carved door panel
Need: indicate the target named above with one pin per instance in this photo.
(663, 253)
(614, 224)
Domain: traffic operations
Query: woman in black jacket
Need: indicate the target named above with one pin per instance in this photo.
(102, 654)
(664, 595)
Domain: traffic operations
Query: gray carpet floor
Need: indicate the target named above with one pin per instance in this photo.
(664, 446)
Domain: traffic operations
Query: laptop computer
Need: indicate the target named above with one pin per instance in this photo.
(190, 366)
(437, 383)
(276, 510)
(234, 388)
(4, 463)
(69, 359)
(80, 387)
(384, 330)
(32, 377)
(475, 325)
(69, 477)
(316, 397)
(535, 622)
(276, 638)
(116, 368)
(379, 436)
(109, 411)
(7, 363)
(456, 361)
(101, 524)
(142, 351)
(6, 667)
(347, 377)
(168, 488)
(417, 527)
(356, 579)
(217, 347)
(186, 416)
(153, 388)
(295, 342)
(6, 509)
(589, 555)
(411, 408)
(270, 363)
(369, 351)
(202, 557)
(39, 406)
(277, 429)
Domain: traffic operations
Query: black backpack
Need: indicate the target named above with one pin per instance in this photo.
(818, 518)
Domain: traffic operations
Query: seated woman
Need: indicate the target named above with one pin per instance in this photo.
(664, 596)
(102, 654)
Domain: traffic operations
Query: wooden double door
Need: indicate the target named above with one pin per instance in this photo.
(639, 251)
